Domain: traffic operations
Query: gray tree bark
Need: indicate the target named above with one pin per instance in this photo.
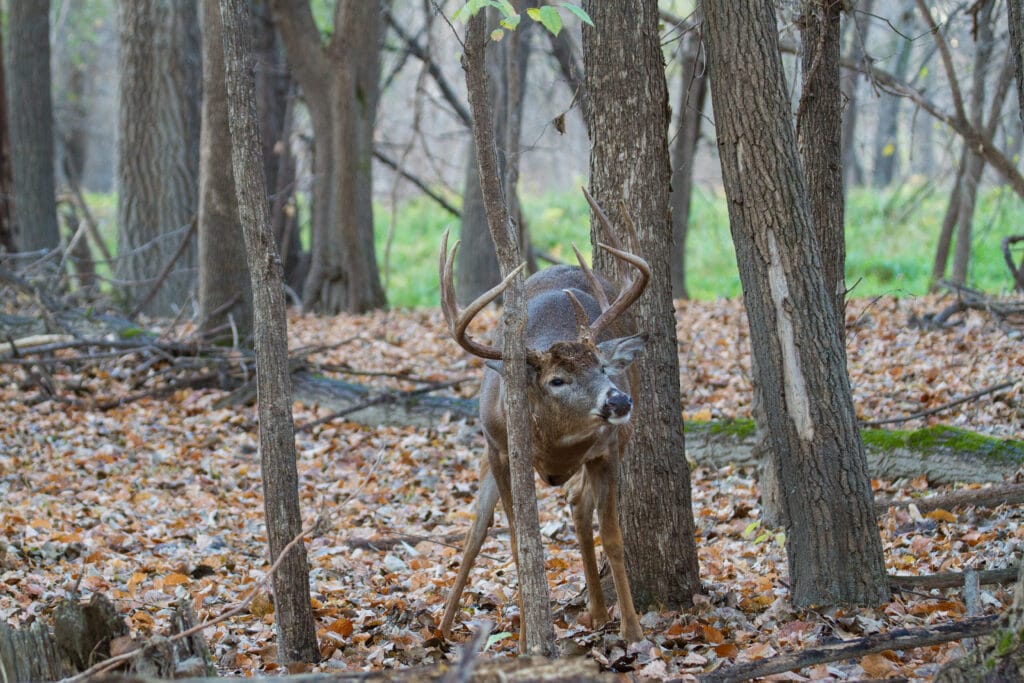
(30, 111)
(158, 151)
(225, 295)
(853, 173)
(832, 542)
(625, 79)
(1015, 19)
(340, 82)
(293, 615)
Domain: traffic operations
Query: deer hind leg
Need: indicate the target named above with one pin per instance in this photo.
(603, 477)
(582, 500)
(487, 499)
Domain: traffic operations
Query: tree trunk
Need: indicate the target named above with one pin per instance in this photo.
(31, 125)
(225, 297)
(293, 615)
(853, 172)
(275, 97)
(625, 78)
(819, 138)
(984, 40)
(477, 263)
(340, 84)
(1015, 19)
(533, 586)
(691, 114)
(832, 541)
(6, 181)
(158, 151)
(887, 142)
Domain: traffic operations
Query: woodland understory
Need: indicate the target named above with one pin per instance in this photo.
(157, 498)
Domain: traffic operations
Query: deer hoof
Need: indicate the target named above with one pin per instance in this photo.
(631, 632)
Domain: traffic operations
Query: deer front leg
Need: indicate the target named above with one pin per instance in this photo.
(603, 476)
(582, 501)
(487, 499)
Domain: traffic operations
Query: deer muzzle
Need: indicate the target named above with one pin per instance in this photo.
(617, 407)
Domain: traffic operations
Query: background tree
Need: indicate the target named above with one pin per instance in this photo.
(158, 152)
(477, 261)
(832, 540)
(225, 297)
(625, 82)
(30, 112)
(293, 615)
(339, 81)
(692, 93)
(6, 182)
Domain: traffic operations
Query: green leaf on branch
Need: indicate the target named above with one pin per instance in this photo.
(580, 13)
(548, 17)
(511, 22)
(497, 34)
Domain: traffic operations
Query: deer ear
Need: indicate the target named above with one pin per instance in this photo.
(619, 353)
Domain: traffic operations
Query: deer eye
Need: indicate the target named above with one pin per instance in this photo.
(556, 382)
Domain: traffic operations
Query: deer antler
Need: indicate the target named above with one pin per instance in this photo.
(632, 292)
(459, 320)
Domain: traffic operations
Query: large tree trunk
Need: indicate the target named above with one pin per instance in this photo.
(293, 615)
(819, 128)
(341, 88)
(225, 297)
(31, 125)
(625, 79)
(158, 151)
(1015, 19)
(691, 114)
(832, 541)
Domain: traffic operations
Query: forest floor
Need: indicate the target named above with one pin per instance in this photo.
(158, 500)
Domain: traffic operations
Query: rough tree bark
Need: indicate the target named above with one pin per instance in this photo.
(832, 541)
(340, 81)
(533, 585)
(158, 151)
(692, 94)
(31, 125)
(293, 615)
(1015, 18)
(225, 296)
(625, 79)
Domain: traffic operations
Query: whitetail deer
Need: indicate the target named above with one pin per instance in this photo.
(578, 349)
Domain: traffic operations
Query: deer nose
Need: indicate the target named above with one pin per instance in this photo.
(617, 405)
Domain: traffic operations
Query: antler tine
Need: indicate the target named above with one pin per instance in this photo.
(595, 287)
(459, 320)
(582, 319)
(599, 212)
(628, 296)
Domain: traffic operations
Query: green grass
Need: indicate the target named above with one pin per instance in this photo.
(890, 240)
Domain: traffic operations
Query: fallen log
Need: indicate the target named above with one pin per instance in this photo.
(952, 579)
(900, 639)
(944, 455)
(990, 496)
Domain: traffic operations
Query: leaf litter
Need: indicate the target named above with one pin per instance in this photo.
(159, 500)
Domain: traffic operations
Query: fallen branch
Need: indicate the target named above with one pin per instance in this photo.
(952, 579)
(380, 399)
(900, 639)
(992, 496)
